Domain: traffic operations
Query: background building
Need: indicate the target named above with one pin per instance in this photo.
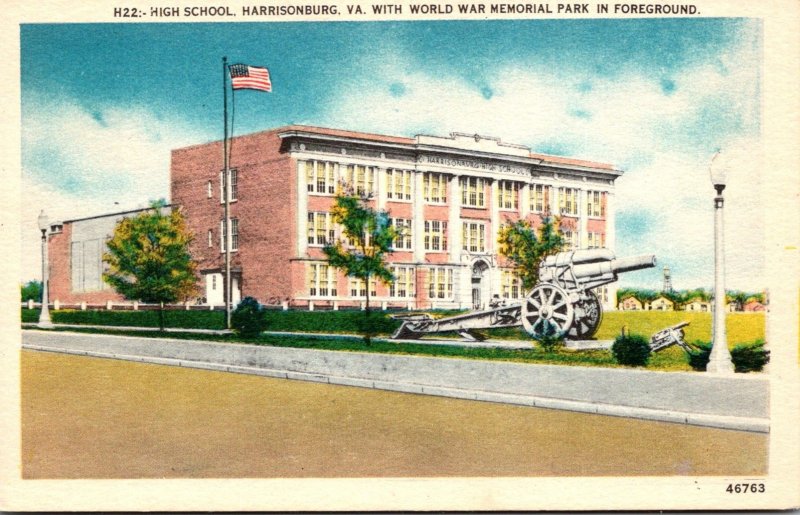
(450, 195)
(75, 249)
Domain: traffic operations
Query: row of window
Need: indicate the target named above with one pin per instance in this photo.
(321, 179)
(321, 231)
(438, 283)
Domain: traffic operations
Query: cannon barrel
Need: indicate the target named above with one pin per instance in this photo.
(613, 266)
(633, 263)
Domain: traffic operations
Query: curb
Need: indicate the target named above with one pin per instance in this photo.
(758, 425)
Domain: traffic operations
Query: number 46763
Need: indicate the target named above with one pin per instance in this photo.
(742, 488)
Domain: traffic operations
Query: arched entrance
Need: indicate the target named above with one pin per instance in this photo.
(480, 284)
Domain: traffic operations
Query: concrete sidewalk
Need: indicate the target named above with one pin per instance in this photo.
(732, 402)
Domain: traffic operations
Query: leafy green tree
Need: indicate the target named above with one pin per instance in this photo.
(526, 246)
(148, 258)
(31, 290)
(369, 235)
(738, 298)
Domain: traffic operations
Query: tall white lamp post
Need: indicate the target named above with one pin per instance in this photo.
(44, 316)
(720, 360)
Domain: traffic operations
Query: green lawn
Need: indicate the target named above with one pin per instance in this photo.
(742, 328)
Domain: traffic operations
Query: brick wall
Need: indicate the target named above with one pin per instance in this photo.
(61, 274)
(265, 207)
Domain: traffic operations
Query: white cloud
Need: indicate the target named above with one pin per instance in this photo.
(664, 137)
(78, 163)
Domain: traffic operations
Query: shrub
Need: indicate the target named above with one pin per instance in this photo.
(746, 357)
(698, 358)
(750, 357)
(550, 339)
(631, 350)
(249, 318)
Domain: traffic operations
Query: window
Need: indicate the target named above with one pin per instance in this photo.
(510, 285)
(508, 195)
(210, 238)
(473, 191)
(596, 203)
(234, 234)
(233, 184)
(403, 285)
(568, 201)
(435, 235)
(597, 240)
(320, 177)
(234, 224)
(398, 184)
(358, 287)
(320, 229)
(440, 283)
(434, 186)
(360, 178)
(570, 239)
(404, 238)
(321, 280)
(473, 236)
(213, 281)
(602, 294)
(209, 190)
(540, 198)
(86, 260)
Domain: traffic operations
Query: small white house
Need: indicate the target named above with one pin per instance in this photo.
(698, 305)
(660, 304)
(630, 303)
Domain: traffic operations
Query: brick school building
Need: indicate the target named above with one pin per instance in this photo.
(449, 195)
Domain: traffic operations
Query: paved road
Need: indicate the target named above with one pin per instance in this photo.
(86, 417)
(735, 402)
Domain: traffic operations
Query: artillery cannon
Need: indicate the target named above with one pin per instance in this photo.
(562, 302)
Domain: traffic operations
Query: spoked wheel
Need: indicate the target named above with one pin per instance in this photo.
(588, 314)
(547, 310)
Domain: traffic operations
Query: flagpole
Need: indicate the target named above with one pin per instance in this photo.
(225, 175)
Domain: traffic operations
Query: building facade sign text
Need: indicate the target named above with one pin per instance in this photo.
(474, 164)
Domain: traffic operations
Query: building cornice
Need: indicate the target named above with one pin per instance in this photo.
(414, 149)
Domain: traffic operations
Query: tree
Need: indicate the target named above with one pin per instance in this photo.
(148, 258)
(526, 247)
(31, 290)
(369, 234)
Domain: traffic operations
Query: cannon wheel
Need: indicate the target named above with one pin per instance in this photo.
(585, 326)
(545, 304)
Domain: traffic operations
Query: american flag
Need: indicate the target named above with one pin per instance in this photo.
(250, 77)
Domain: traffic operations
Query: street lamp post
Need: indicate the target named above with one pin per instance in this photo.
(44, 316)
(719, 361)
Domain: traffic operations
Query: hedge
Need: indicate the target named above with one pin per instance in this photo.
(751, 357)
(345, 321)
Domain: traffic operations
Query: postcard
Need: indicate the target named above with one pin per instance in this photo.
(365, 256)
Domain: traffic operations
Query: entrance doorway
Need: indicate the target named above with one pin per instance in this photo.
(215, 289)
(479, 284)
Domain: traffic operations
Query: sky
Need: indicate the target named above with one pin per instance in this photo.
(103, 105)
